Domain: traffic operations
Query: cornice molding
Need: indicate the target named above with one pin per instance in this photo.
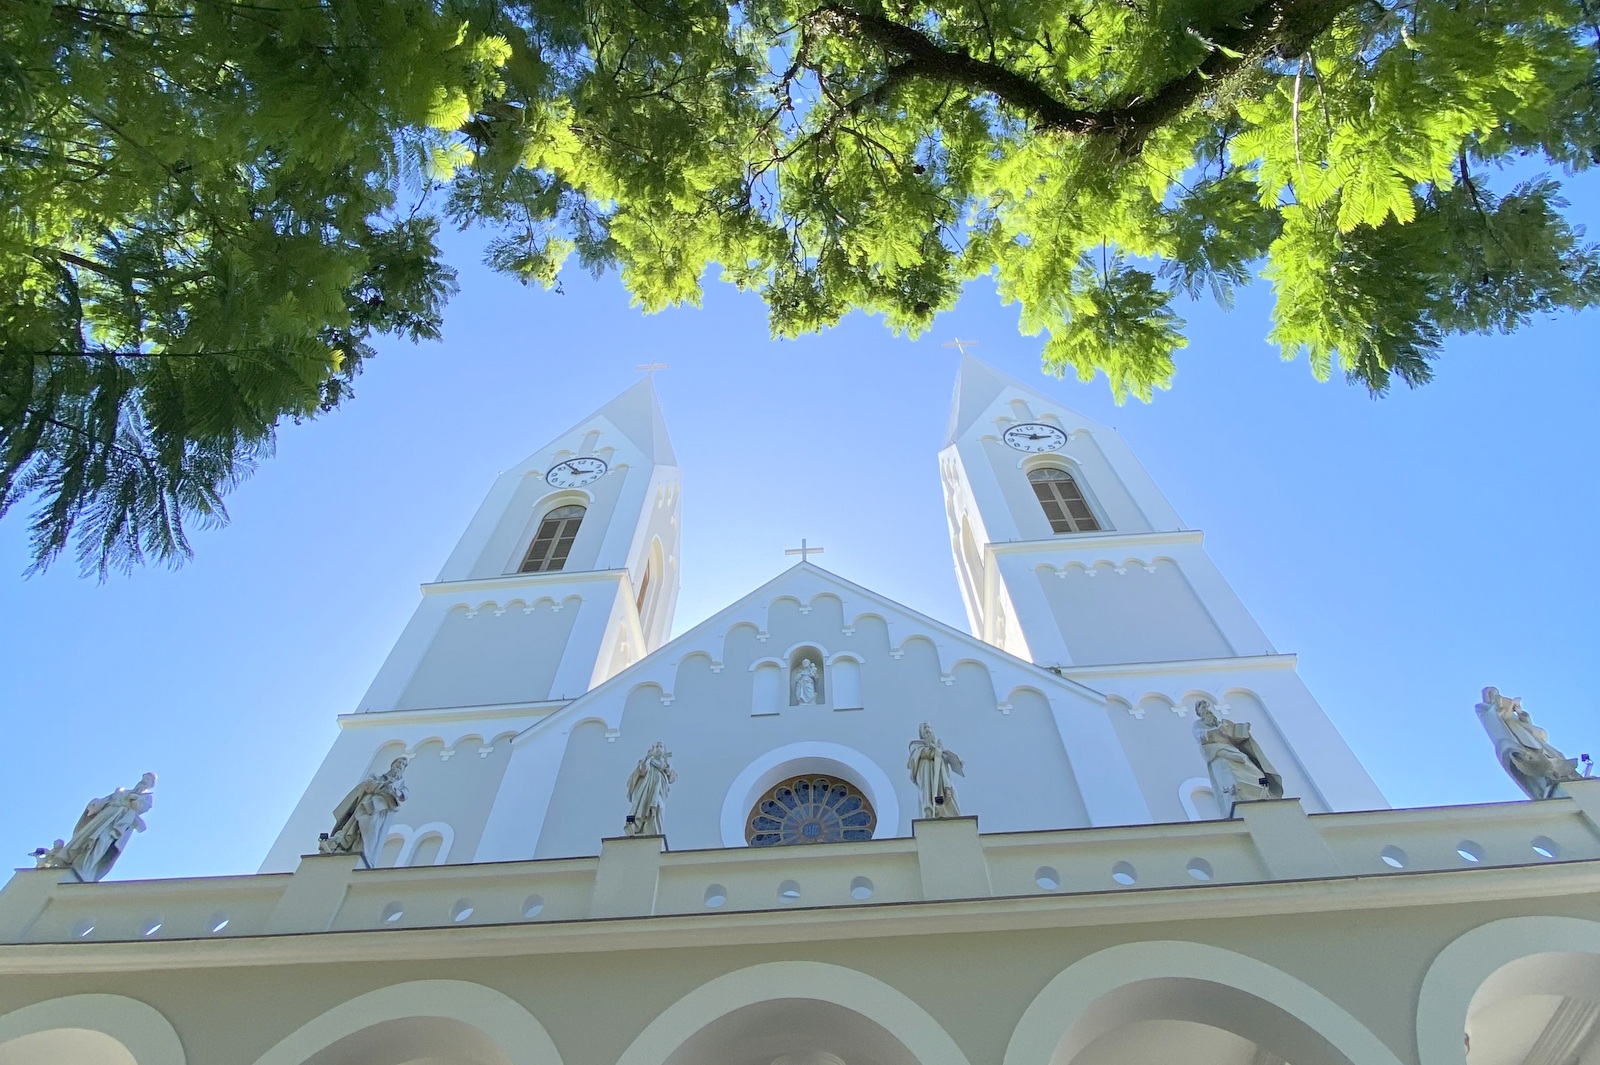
(744, 928)
(1080, 542)
(522, 580)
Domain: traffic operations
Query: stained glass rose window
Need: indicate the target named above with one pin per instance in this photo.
(810, 809)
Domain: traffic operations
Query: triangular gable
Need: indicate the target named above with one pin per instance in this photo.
(805, 581)
(636, 413)
(978, 385)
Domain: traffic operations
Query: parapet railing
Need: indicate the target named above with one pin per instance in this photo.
(942, 860)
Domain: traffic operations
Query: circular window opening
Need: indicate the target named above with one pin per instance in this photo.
(810, 809)
(789, 891)
(1393, 857)
(151, 927)
(533, 906)
(1470, 852)
(393, 912)
(1124, 874)
(861, 889)
(1545, 847)
(1199, 868)
(217, 922)
(461, 910)
(716, 895)
(1047, 878)
(84, 928)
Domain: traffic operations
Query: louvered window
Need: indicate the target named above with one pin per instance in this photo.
(553, 542)
(1062, 501)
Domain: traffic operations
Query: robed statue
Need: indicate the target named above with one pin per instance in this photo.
(1524, 749)
(1237, 765)
(931, 769)
(361, 819)
(805, 683)
(647, 791)
(101, 833)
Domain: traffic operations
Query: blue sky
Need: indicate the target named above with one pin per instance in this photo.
(1410, 550)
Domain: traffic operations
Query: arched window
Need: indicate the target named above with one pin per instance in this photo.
(553, 542)
(810, 809)
(1062, 501)
(644, 590)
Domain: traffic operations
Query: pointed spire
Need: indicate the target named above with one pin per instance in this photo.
(637, 412)
(978, 385)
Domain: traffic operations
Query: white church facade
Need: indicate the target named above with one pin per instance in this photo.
(1106, 824)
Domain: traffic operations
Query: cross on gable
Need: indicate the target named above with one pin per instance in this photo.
(961, 345)
(803, 550)
(650, 368)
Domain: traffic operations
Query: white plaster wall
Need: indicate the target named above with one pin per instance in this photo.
(1019, 775)
(1152, 712)
(1128, 613)
(508, 653)
(459, 789)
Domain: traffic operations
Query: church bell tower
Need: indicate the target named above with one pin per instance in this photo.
(1069, 556)
(567, 574)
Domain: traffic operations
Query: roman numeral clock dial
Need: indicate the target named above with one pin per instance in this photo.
(575, 473)
(1035, 437)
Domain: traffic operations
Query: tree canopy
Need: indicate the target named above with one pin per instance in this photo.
(209, 209)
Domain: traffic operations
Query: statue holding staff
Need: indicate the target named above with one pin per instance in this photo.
(647, 791)
(931, 768)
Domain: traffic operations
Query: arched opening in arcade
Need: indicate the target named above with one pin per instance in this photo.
(62, 1046)
(792, 1031)
(414, 1041)
(1195, 1021)
(1542, 1009)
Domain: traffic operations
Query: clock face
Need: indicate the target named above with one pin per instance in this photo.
(1032, 436)
(575, 473)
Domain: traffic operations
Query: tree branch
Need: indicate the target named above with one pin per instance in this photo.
(1272, 27)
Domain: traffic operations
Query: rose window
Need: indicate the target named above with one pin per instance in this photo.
(810, 809)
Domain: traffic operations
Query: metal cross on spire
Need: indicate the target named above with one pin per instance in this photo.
(803, 550)
(650, 368)
(961, 345)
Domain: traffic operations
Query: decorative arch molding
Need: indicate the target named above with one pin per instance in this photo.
(517, 1034)
(495, 607)
(1094, 567)
(1199, 801)
(794, 759)
(913, 1026)
(408, 849)
(143, 1030)
(560, 497)
(1467, 968)
(1100, 993)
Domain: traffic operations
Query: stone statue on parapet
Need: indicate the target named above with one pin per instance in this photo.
(647, 791)
(361, 819)
(1237, 765)
(1524, 749)
(101, 833)
(931, 768)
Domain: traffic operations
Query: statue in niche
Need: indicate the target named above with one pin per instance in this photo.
(647, 791)
(1524, 748)
(931, 768)
(102, 833)
(1237, 765)
(805, 683)
(361, 820)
